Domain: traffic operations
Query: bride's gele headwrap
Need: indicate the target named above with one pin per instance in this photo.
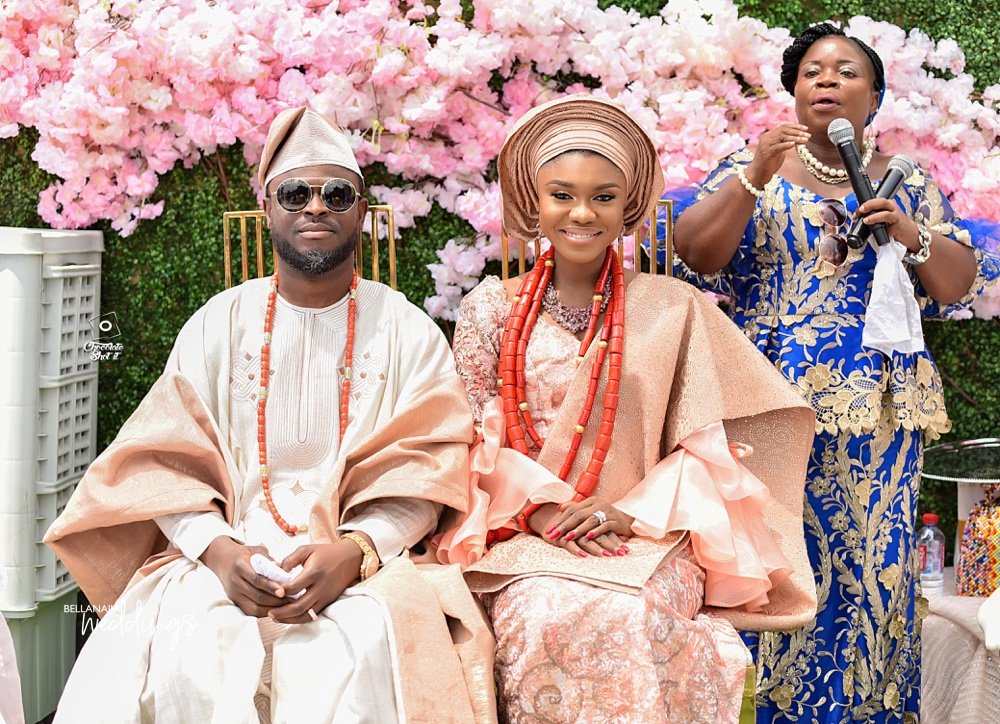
(578, 122)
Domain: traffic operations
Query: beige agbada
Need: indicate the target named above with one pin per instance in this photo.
(182, 451)
(175, 455)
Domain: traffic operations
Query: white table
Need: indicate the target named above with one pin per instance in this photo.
(960, 678)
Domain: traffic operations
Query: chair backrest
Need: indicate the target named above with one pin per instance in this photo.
(639, 244)
(250, 224)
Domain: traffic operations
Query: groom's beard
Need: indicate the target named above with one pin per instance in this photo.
(315, 262)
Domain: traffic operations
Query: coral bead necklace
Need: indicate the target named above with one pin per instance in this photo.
(511, 380)
(265, 377)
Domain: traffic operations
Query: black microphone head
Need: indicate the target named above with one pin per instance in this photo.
(840, 131)
(903, 164)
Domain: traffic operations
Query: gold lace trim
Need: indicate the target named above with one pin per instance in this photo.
(855, 403)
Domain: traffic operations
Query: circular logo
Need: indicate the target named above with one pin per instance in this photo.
(105, 325)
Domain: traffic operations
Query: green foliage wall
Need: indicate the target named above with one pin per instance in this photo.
(972, 23)
(20, 180)
(157, 277)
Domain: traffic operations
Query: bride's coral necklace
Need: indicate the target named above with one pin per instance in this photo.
(511, 380)
(265, 377)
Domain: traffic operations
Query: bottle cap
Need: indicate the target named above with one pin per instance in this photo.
(930, 519)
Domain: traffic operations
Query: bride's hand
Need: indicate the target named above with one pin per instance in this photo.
(578, 527)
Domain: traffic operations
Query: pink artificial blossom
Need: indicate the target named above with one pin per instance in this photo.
(120, 92)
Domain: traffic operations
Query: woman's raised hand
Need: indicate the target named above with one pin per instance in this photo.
(770, 153)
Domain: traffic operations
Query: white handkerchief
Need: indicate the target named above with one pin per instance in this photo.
(989, 621)
(892, 322)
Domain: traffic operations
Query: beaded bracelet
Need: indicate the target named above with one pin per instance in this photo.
(915, 258)
(746, 183)
(522, 518)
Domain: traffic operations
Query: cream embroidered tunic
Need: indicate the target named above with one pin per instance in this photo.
(303, 425)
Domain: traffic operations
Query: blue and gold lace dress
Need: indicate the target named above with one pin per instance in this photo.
(860, 659)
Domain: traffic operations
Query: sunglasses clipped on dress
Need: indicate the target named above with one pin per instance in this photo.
(833, 244)
(294, 194)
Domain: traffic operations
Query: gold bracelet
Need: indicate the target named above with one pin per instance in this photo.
(746, 183)
(370, 561)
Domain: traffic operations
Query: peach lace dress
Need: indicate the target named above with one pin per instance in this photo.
(569, 651)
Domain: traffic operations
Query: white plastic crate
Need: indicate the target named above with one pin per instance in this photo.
(67, 427)
(45, 646)
(50, 294)
(70, 300)
(52, 580)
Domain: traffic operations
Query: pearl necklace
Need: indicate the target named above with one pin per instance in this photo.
(826, 174)
(265, 378)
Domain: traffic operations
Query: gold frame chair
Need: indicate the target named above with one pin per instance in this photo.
(242, 220)
(637, 245)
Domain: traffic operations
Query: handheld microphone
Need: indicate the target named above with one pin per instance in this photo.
(841, 134)
(900, 169)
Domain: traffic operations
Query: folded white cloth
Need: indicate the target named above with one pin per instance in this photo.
(989, 621)
(892, 322)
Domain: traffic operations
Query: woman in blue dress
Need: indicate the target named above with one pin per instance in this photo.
(766, 228)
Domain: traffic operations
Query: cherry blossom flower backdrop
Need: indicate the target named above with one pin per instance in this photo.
(120, 92)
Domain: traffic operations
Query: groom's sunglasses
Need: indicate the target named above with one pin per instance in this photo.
(294, 194)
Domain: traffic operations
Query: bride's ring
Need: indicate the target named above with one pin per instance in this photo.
(601, 516)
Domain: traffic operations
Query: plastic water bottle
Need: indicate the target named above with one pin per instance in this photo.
(930, 549)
